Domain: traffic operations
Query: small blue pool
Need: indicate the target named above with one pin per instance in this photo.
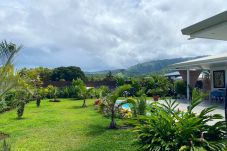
(125, 106)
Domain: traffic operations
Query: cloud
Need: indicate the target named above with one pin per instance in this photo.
(102, 34)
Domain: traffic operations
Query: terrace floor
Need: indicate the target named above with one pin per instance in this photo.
(219, 108)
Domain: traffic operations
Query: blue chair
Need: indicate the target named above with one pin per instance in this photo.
(218, 96)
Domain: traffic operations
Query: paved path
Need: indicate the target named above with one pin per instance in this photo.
(219, 110)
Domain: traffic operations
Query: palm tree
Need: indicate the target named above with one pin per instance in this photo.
(139, 105)
(85, 93)
(82, 91)
(109, 103)
(8, 78)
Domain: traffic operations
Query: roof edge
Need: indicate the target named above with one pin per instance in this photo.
(209, 22)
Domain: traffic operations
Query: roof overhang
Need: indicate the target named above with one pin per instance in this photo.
(202, 63)
(212, 28)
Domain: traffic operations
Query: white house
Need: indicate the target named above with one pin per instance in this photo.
(212, 28)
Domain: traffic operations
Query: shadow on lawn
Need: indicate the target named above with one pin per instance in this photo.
(76, 107)
(19, 119)
(96, 129)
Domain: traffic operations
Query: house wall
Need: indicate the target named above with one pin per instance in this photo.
(211, 76)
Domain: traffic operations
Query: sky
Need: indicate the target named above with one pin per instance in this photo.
(105, 34)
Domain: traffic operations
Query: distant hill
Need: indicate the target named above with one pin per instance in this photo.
(145, 68)
(116, 71)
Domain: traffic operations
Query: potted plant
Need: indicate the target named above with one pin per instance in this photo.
(155, 93)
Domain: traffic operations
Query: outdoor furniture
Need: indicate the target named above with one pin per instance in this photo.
(218, 96)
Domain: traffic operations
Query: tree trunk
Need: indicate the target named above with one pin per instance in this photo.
(113, 124)
(38, 101)
(84, 104)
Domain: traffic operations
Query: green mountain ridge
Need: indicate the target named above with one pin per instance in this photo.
(149, 67)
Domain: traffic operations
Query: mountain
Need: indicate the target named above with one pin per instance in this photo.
(116, 71)
(154, 66)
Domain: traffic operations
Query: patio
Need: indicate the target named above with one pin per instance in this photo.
(216, 69)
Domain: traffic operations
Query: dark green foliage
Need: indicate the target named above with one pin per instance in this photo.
(141, 105)
(157, 85)
(180, 87)
(38, 102)
(170, 129)
(21, 98)
(120, 81)
(20, 109)
(8, 101)
(67, 73)
(109, 76)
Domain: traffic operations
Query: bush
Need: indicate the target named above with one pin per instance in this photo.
(170, 129)
(138, 106)
(157, 85)
(180, 87)
(8, 101)
(20, 110)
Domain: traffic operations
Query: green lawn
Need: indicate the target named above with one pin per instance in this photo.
(63, 126)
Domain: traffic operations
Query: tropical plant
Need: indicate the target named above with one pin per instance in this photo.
(110, 106)
(157, 85)
(52, 92)
(139, 105)
(102, 91)
(180, 87)
(171, 129)
(8, 77)
(22, 97)
(33, 79)
(82, 91)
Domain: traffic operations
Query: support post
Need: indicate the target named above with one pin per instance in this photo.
(188, 84)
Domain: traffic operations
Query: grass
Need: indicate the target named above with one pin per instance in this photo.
(63, 126)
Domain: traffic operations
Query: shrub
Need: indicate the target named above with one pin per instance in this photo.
(21, 98)
(139, 105)
(170, 129)
(180, 87)
(157, 85)
(8, 101)
(20, 110)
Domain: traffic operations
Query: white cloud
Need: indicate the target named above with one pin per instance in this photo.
(104, 34)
